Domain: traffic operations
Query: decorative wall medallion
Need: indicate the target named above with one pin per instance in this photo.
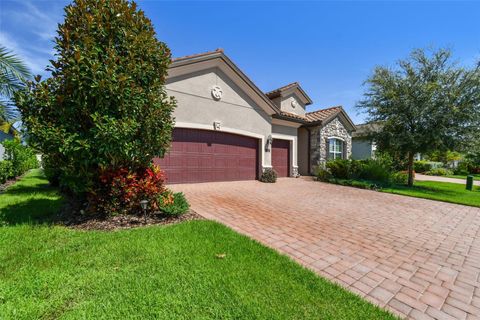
(294, 103)
(217, 93)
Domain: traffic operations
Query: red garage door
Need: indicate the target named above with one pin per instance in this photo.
(202, 156)
(281, 157)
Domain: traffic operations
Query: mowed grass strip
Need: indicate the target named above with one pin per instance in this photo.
(442, 191)
(164, 272)
(476, 177)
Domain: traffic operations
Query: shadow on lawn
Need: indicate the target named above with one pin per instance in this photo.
(31, 211)
(38, 188)
(427, 190)
(30, 201)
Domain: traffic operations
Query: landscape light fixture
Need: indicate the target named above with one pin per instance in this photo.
(144, 204)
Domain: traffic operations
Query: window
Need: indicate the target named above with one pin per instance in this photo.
(335, 149)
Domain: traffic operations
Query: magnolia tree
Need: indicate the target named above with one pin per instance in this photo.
(104, 112)
(425, 103)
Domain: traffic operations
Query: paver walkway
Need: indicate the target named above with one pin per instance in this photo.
(418, 258)
(423, 177)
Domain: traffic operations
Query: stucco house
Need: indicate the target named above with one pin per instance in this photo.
(363, 146)
(226, 128)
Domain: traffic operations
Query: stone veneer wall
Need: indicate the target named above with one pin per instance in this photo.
(318, 151)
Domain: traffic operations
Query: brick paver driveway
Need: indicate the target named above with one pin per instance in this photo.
(418, 258)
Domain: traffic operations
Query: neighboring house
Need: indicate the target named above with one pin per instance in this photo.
(226, 128)
(363, 146)
(4, 136)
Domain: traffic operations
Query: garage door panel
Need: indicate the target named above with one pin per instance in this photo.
(202, 156)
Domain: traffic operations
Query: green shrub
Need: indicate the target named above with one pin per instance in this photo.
(51, 170)
(467, 167)
(343, 169)
(322, 174)
(21, 157)
(356, 183)
(374, 170)
(400, 177)
(439, 172)
(424, 166)
(105, 106)
(460, 172)
(173, 203)
(269, 176)
(6, 171)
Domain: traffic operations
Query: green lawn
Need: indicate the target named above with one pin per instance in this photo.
(164, 272)
(443, 191)
(475, 176)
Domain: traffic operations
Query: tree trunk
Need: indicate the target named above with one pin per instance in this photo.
(410, 169)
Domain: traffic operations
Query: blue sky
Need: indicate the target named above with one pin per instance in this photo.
(329, 47)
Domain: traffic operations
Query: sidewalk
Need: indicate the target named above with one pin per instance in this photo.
(422, 177)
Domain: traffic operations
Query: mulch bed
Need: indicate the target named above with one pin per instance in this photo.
(121, 221)
(71, 216)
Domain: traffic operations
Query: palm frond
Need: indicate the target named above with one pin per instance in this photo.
(12, 69)
(13, 74)
(8, 111)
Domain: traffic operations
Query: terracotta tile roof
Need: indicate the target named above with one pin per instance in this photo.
(198, 55)
(275, 92)
(292, 115)
(278, 92)
(315, 116)
(322, 114)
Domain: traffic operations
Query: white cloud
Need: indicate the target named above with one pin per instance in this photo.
(45, 25)
(37, 30)
(36, 63)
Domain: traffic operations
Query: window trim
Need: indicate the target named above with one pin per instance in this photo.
(335, 154)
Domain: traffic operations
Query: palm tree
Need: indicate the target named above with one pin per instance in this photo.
(13, 74)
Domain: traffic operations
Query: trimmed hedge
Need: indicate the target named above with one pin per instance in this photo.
(366, 174)
(6, 171)
(371, 170)
(424, 166)
(18, 160)
(439, 172)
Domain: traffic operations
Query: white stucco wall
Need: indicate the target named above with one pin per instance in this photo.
(235, 111)
(286, 104)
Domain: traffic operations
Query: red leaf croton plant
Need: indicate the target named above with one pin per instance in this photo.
(120, 191)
